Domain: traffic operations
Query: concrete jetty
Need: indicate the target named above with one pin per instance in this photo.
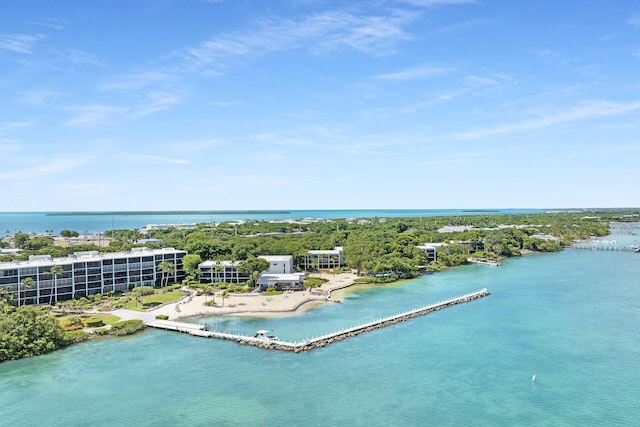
(321, 341)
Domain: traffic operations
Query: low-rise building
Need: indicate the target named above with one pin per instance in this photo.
(221, 272)
(323, 259)
(432, 250)
(87, 273)
(543, 236)
(280, 275)
(279, 264)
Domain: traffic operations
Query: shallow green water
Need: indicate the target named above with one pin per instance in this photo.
(570, 318)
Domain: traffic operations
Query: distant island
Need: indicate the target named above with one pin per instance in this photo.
(125, 213)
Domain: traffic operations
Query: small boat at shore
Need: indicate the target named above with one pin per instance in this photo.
(484, 261)
(265, 335)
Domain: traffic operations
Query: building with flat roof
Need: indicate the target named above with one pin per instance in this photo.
(87, 273)
(221, 272)
(323, 259)
(281, 274)
(543, 236)
(279, 264)
(432, 250)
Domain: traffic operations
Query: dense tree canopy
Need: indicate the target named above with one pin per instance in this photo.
(28, 332)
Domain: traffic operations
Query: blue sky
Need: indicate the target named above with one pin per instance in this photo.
(313, 104)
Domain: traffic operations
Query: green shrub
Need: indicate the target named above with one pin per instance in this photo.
(144, 290)
(72, 324)
(314, 281)
(101, 331)
(127, 327)
(162, 317)
(93, 322)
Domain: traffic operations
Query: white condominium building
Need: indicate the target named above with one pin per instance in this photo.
(323, 259)
(87, 273)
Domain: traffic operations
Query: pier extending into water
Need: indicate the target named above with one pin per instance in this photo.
(199, 330)
(606, 247)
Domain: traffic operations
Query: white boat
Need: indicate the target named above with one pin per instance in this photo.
(265, 335)
(483, 261)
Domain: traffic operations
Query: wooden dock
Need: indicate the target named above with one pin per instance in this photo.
(199, 330)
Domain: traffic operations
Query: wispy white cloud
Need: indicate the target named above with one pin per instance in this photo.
(423, 72)
(457, 158)
(45, 167)
(94, 114)
(225, 104)
(38, 96)
(156, 101)
(320, 32)
(20, 43)
(76, 56)
(634, 20)
(98, 114)
(54, 23)
(198, 146)
(430, 3)
(9, 126)
(147, 158)
(583, 111)
(137, 81)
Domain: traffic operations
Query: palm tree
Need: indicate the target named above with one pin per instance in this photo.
(26, 283)
(55, 271)
(7, 298)
(224, 296)
(217, 268)
(166, 268)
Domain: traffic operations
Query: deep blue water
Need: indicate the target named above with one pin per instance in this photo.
(39, 222)
(570, 318)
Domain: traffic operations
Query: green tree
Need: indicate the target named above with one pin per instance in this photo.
(190, 265)
(55, 271)
(26, 283)
(28, 332)
(224, 296)
(253, 265)
(7, 298)
(167, 269)
(69, 233)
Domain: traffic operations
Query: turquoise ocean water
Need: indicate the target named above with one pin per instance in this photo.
(570, 318)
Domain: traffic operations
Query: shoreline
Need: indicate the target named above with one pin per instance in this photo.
(257, 305)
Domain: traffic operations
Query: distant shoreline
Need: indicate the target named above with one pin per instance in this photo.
(168, 213)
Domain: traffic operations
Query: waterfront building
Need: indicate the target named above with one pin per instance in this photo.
(281, 274)
(323, 259)
(221, 272)
(279, 264)
(87, 273)
(543, 236)
(432, 250)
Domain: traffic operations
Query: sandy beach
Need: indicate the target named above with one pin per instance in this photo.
(258, 305)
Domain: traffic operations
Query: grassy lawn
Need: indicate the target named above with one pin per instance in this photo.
(271, 293)
(154, 300)
(107, 318)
